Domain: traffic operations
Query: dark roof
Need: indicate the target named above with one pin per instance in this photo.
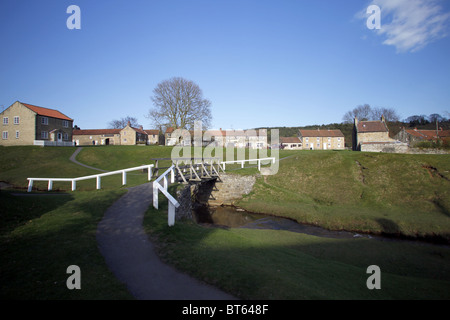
(372, 126)
(156, 132)
(95, 131)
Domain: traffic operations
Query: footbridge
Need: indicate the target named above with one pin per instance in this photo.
(189, 170)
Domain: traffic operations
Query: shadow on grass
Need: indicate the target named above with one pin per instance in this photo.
(272, 264)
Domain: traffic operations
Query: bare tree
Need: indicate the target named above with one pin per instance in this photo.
(390, 115)
(362, 112)
(122, 123)
(179, 103)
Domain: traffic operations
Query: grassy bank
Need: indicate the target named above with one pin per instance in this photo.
(272, 264)
(391, 194)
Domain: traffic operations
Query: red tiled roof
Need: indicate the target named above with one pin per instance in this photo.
(428, 134)
(47, 112)
(372, 126)
(95, 131)
(289, 140)
(321, 133)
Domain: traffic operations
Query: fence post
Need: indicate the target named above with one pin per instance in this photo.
(50, 185)
(259, 165)
(74, 185)
(124, 177)
(172, 176)
(165, 184)
(30, 185)
(171, 214)
(99, 181)
(155, 195)
(149, 170)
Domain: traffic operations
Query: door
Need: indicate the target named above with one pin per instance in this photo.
(324, 146)
(59, 136)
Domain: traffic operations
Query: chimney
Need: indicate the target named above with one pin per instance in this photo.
(129, 123)
(141, 127)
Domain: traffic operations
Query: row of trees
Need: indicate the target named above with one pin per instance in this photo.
(366, 112)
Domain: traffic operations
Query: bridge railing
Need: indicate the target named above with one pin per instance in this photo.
(272, 159)
(98, 177)
(157, 186)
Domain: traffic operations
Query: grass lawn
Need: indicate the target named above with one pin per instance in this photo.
(42, 235)
(282, 265)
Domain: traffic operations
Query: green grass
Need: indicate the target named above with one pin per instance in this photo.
(281, 265)
(42, 235)
(391, 194)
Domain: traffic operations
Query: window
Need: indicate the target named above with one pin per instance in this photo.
(44, 120)
(5, 135)
(339, 145)
(5, 120)
(16, 120)
(318, 145)
(318, 139)
(307, 139)
(17, 134)
(124, 140)
(65, 123)
(339, 139)
(66, 136)
(44, 135)
(329, 139)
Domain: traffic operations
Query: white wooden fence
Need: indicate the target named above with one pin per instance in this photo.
(173, 203)
(272, 159)
(98, 177)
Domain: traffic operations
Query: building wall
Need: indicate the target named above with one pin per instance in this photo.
(127, 136)
(331, 143)
(98, 139)
(373, 137)
(50, 124)
(26, 126)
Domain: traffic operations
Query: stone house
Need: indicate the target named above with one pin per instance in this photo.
(96, 137)
(153, 136)
(322, 139)
(126, 136)
(412, 136)
(290, 143)
(26, 124)
(373, 136)
(253, 139)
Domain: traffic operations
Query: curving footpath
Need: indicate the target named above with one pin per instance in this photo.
(131, 256)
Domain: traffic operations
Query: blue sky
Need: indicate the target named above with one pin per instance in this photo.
(261, 63)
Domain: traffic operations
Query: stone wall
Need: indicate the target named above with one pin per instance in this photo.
(230, 189)
(385, 147)
(212, 193)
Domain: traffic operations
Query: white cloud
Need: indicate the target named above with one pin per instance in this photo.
(410, 25)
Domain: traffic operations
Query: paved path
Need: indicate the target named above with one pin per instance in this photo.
(132, 258)
(73, 159)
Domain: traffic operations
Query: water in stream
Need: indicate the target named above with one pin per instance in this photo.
(237, 218)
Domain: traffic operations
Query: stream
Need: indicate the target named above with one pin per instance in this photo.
(232, 217)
